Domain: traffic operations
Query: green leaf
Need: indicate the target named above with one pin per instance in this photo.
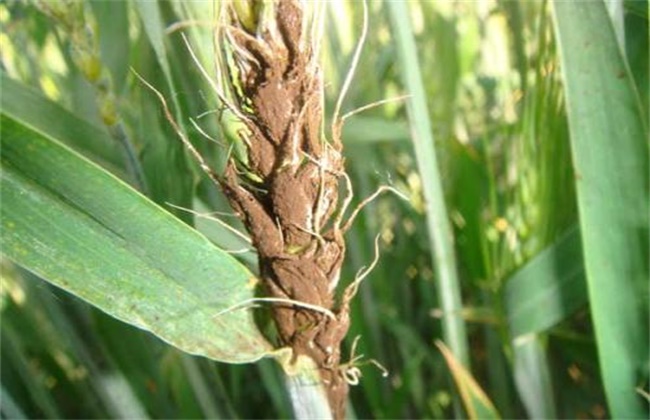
(610, 152)
(533, 377)
(149, 12)
(113, 23)
(477, 404)
(83, 230)
(34, 110)
(548, 289)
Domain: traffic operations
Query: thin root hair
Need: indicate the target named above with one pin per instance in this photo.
(352, 289)
(368, 200)
(214, 86)
(336, 122)
(249, 302)
(240, 251)
(210, 216)
(350, 369)
(373, 105)
(206, 135)
(186, 142)
(177, 26)
(346, 202)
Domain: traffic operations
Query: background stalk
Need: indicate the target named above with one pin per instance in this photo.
(438, 225)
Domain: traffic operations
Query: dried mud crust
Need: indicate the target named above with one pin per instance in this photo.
(287, 191)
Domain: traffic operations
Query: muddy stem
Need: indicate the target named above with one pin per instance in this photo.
(286, 190)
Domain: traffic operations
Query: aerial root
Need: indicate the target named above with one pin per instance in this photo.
(336, 121)
(248, 303)
(186, 142)
(372, 105)
(353, 287)
(316, 235)
(221, 95)
(206, 135)
(177, 26)
(350, 369)
(210, 216)
(346, 201)
(322, 168)
(368, 200)
(239, 251)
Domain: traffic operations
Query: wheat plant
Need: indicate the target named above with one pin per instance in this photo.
(194, 222)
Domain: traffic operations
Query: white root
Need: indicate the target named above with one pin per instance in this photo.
(219, 93)
(368, 200)
(186, 142)
(215, 219)
(250, 302)
(350, 369)
(372, 105)
(353, 287)
(336, 122)
(204, 134)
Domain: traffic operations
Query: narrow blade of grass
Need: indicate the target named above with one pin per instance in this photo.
(152, 21)
(13, 349)
(477, 404)
(113, 27)
(610, 154)
(140, 358)
(439, 228)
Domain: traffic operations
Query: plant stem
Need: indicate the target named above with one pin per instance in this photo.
(308, 397)
(442, 251)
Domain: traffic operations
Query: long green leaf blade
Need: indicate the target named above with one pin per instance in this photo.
(548, 289)
(610, 154)
(85, 231)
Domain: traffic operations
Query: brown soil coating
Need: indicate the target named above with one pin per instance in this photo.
(289, 213)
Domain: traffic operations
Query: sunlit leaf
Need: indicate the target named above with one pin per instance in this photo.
(83, 230)
(477, 404)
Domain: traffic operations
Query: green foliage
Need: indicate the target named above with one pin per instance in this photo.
(553, 280)
(610, 152)
(549, 215)
(168, 279)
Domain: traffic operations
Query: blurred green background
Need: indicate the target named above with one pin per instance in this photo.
(490, 75)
